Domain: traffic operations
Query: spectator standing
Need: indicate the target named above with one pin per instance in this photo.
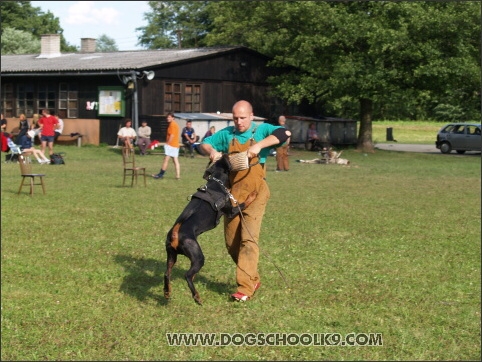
(171, 148)
(189, 137)
(35, 126)
(60, 129)
(48, 125)
(3, 124)
(23, 127)
(143, 137)
(282, 161)
(127, 134)
(241, 233)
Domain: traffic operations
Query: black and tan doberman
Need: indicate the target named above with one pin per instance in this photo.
(201, 214)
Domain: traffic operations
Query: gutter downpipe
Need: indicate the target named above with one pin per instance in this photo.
(63, 73)
(135, 111)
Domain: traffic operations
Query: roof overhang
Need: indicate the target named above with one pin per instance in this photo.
(210, 116)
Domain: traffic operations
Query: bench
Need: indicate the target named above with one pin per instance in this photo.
(71, 137)
(183, 150)
(156, 151)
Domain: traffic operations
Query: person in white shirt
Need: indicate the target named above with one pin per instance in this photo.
(144, 137)
(127, 134)
(60, 127)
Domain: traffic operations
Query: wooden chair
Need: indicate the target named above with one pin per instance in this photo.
(26, 171)
(130, 168)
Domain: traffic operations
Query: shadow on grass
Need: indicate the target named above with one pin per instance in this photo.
(144, 275)
(115, 149)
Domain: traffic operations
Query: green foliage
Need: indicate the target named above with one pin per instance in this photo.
(406, 131)
(19, 42)
(448, 112)
(390, 244)
(407, 57)
(21, 15)
(172, 21)
(106, 44)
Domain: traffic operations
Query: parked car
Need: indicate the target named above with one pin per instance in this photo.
(460, 137)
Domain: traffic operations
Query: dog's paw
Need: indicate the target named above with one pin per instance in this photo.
(251, 197)
(197, 299)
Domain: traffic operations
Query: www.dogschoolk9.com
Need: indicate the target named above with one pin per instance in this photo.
(274, 339)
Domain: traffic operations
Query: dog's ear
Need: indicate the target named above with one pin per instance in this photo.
(209, 169)
(226, 161)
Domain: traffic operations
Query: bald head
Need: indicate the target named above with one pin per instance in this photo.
(243, 104)
(242, 115)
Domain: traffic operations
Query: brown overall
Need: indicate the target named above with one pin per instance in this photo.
(282, 162)
(242, 233)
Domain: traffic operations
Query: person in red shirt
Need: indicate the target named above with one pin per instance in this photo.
(48, 125)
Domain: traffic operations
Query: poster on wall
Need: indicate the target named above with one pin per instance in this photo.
(111, 102)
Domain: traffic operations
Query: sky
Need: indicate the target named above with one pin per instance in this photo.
(90, 19)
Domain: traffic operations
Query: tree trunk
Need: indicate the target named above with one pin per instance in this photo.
(365, 143)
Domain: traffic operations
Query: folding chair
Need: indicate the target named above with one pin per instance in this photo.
(15, 151)
(26, 171)
(130, 168)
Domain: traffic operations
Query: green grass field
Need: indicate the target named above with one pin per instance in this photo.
(407, 131)
(387, 245)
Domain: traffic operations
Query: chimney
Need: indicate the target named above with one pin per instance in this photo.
(87, 45)
(50, 46)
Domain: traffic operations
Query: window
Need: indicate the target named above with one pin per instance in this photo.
(473, 130)
(46, 96)
(28, 99)
(25, 100)
(68, 100)
(7, 100)
(182, 97)
(193, 98)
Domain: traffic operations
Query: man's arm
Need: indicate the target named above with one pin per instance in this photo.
(192, 138)
(207, 149)
(185, 135)
(280, 135)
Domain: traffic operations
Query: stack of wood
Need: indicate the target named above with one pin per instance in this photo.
(328, 156)
(331, 156)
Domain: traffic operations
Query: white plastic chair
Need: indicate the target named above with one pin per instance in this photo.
(14, 150)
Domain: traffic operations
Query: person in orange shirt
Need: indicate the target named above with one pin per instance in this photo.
(171, 148)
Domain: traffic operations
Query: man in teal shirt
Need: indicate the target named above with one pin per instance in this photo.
(242, 232)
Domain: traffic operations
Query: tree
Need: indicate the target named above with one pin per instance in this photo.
(175, 24)
(376, 54)
(20, 15)
(106, 44)
(19, 42)
(355, 59)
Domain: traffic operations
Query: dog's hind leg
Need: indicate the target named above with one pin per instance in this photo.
(194, 253)
(172, 243)
(171, 260)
